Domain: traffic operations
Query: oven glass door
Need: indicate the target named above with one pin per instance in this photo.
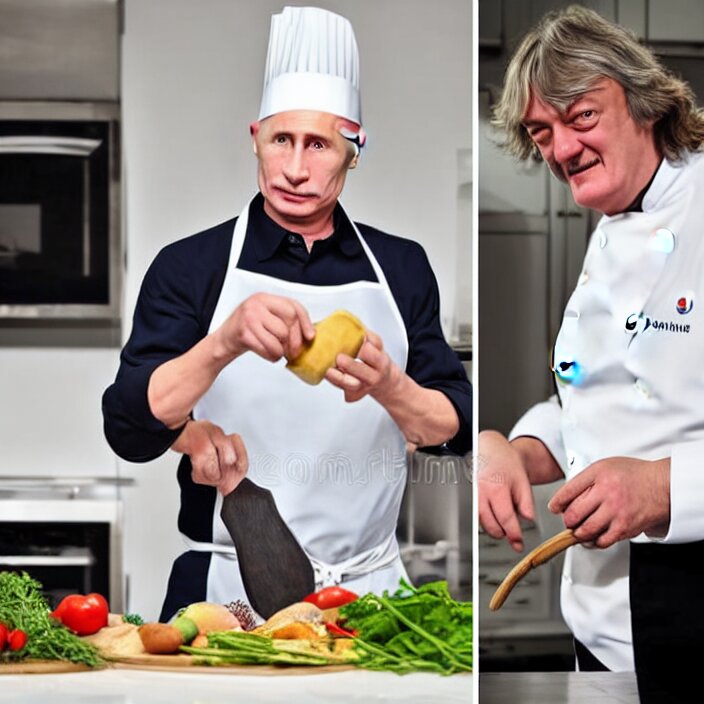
(54, 212)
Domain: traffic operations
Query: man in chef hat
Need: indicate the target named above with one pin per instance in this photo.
(626, 428)
(219, 314)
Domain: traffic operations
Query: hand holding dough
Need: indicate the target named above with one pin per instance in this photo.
(339, 333)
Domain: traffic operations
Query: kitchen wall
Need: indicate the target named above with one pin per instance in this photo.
(191, 84)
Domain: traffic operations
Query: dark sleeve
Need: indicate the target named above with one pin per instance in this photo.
(432, 363)
(175, 304)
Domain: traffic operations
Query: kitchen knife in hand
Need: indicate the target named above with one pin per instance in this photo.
(275, 570)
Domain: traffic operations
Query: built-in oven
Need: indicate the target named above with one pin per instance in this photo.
(66, 533)
(59, 211)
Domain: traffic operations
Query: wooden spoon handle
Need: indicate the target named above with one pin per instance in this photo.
(535, 557)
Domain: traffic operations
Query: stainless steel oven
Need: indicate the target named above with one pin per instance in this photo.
(59, 211)
(66, 533)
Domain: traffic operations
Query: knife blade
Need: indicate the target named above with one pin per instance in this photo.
(275, 570)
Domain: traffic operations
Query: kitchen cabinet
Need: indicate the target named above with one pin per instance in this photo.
(676, 22)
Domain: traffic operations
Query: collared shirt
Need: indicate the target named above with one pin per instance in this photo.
(182, 286)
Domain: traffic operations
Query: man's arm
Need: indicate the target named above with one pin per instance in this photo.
(505, 472)
(425, 416)
(270, 326)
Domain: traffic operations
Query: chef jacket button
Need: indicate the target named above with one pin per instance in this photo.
(643, 388)
(662, 240)
(603, 239)
(583, 278)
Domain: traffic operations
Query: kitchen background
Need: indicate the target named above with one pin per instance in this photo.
(181, 81)
(532, 235)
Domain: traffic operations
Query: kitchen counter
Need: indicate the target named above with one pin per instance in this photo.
(558, 688)
(130, 686)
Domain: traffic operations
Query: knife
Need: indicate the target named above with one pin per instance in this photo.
(275, 570)
(535, 557)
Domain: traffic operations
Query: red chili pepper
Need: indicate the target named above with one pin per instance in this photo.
(17, 639)
(3, 636)
(331, 597)
(339, 631)
(84, 615)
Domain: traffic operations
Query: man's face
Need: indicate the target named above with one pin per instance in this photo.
(303, 162)
(595, 146)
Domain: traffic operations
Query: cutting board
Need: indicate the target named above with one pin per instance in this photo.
(39, 667)
(186, 663)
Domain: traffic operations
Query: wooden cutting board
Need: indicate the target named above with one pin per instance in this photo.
(39, 667)
(186, 663)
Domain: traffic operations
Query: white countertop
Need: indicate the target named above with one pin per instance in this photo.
(126, 686)
(558, 688)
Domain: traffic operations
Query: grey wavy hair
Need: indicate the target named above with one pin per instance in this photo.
(567, 52)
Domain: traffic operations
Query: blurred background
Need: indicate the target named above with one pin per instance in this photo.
(532, 238)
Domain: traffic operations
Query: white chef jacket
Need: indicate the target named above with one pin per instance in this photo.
(629, 356)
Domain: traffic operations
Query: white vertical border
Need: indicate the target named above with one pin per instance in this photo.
(475, 346)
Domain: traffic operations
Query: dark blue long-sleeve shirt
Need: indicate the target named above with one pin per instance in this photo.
(182, 286)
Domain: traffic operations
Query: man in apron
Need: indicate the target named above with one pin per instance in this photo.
(219, 313)
(626, 428)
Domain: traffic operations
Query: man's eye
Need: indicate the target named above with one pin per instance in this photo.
(539, 135)
(317, 145)
(281, 139)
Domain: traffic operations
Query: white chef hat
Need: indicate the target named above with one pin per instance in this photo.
(312, 64)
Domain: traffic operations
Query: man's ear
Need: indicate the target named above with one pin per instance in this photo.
(355, 161)
(254, 131)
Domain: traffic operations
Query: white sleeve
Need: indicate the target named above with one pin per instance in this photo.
(686, 495)
(543, 421)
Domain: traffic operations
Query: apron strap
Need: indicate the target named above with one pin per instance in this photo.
(376, 558)
(326, 574)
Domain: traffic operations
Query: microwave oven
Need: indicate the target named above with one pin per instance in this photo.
(60, 245)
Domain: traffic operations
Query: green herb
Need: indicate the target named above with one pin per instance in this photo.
(414, 629)
(22, 605)
(241, 648)
(134, 619)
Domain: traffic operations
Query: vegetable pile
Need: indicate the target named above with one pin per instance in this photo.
(412, 630)
(24, 608)
(416, 629)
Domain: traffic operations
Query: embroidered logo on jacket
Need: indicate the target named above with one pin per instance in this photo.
(638, 323)
(684, 304)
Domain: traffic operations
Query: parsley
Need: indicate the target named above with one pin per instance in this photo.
(22, 605)
(415, 629)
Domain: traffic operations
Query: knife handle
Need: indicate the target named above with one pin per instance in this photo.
(535, 557)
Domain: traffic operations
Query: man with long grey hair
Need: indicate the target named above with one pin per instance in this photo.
(626, 426)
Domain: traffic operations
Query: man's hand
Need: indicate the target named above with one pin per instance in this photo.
(504, 491)
(425, 416)
(371, 373)
(217, 459)
(271, 326)
(615, 499)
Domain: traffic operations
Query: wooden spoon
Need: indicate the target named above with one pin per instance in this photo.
(535, 557)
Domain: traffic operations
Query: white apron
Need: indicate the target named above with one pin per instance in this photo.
(337, 470)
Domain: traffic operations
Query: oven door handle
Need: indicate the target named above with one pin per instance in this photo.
(35, 144)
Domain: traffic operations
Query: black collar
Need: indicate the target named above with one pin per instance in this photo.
(637, 205)
(269, 236)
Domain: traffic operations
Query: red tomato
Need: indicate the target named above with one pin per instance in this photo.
(84, 615)
(3, 636)
(16, 640)
(331, 597)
